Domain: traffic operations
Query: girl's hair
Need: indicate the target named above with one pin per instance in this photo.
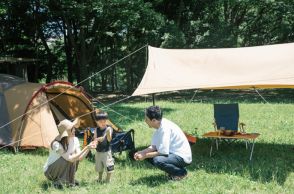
(154, 112)
(63, 142)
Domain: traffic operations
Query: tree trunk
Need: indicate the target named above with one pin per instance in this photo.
(103, 82)
(68, 53)
(51, 58)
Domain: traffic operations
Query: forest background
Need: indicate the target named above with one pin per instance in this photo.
(74, 39)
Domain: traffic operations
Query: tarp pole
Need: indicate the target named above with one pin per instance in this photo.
(146, 62)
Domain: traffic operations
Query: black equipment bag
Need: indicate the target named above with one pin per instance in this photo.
(122, 141)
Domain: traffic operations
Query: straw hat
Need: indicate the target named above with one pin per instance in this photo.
(64, 126)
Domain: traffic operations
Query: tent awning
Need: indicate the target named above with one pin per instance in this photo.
(270, 66)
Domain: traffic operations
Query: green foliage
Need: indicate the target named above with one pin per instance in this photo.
(75, 39)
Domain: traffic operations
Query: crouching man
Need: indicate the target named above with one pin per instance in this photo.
(169, 150)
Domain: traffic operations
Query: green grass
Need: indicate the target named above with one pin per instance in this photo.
(227, 171)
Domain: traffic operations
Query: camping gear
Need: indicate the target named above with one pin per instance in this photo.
(226, 116)
(269, 66)
(228, 132)
(218, 68)
(191, 139)
(226, 127)
(121, 140)
(27, 120)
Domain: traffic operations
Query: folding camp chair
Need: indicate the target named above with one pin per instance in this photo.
(121, 140)
(228, 128)
(226, 117)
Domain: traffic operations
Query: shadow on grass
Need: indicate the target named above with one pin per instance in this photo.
(151, 181)
(214, 96)
(271, 162)
(45, 185)
(126, 160)
(36, 152)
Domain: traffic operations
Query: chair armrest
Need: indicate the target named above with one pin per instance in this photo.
(242, 127)
(214, 125)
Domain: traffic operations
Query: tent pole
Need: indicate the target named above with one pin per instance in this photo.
(146, 56)
(146, 62)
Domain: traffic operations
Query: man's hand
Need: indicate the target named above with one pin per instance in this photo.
(139, 155)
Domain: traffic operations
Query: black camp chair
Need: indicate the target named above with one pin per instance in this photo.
(226, 121)
(121, 141)
(227, 117)
(227, 127)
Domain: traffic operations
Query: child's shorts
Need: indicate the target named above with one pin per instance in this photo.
(105, 161)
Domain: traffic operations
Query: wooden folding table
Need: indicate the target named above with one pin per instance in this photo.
(216, 135)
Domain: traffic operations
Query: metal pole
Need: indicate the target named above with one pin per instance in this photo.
(252, 150)
(153, 99)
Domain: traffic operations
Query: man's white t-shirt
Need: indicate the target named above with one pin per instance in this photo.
(170, 139)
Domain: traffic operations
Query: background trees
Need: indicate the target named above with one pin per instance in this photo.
(74, 39)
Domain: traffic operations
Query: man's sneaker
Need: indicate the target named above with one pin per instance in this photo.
(177, 178)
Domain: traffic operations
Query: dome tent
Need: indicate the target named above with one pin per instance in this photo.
(27, 120)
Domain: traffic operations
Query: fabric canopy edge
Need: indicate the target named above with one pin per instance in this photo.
(164, 66)
(241, 87)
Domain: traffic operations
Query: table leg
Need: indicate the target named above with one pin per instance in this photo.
(252, 148)
(211, 148)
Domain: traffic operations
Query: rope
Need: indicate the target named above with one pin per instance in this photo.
(194, 95)
(71, 88)
(66, 91)
(112, 64)
(76, 117)
(273, 109)
(261, 96)
(90, 78)
(185, 110)
(20, 140)
(105, 106)
(112, 110)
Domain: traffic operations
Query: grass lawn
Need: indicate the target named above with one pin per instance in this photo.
(227, 171)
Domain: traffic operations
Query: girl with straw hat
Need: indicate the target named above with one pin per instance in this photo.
(64, 155)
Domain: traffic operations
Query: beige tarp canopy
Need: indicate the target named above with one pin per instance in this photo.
(227, 68)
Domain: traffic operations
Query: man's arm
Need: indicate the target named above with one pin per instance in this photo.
(149, 152)
(151, 148)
